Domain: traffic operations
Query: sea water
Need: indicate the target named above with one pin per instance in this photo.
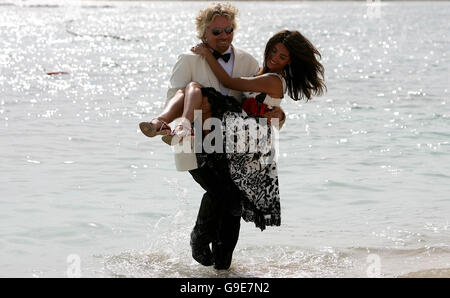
(364, 170)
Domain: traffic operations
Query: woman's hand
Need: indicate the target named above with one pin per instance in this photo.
(200, 49)
(275, 113)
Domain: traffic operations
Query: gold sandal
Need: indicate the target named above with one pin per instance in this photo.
(176, 137)
(149, 129)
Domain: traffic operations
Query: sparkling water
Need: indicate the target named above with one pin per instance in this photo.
(364, 170)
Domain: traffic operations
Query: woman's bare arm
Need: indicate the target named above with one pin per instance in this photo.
(268, 84)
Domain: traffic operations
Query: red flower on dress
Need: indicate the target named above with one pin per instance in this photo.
(252, 107)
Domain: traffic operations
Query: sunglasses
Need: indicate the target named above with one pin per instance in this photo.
(218, 31)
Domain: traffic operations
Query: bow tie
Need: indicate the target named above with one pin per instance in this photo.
(225, 57)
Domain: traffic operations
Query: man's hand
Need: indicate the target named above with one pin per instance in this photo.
(276, 112)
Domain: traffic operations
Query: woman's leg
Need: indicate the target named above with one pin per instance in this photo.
(184, 102)
(159, 125)
(174, 107)
(193, 100)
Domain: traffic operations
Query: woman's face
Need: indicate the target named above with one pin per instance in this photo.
(279, 57)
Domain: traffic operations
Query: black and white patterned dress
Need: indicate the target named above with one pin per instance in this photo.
(250, 153)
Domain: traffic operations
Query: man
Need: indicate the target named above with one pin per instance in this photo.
(218, 220)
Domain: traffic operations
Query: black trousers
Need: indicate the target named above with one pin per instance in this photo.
(218, 219)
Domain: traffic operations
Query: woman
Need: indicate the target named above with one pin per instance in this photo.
(290, 64)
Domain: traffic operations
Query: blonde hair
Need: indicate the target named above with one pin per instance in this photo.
(207, 15)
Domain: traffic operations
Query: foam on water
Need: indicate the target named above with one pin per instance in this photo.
(169, 256)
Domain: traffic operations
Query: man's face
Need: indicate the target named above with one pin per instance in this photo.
(222, 41)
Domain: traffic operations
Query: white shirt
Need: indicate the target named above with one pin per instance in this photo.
(228, 67)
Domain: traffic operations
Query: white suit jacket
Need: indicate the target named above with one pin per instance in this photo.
(191, 67)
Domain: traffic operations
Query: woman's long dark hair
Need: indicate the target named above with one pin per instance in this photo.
(305, 74)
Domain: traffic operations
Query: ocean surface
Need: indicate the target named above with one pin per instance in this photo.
(364, 170)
